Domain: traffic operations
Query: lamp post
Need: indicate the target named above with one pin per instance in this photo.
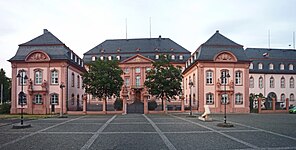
(190, 97)
(62, 100)
(224, 76)
(21, 96)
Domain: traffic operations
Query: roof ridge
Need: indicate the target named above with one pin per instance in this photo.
(47, 38)
(220, 40)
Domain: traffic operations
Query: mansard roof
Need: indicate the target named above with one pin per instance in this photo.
(50, 45)
(220, 40)
(147, 47)
(268, 56)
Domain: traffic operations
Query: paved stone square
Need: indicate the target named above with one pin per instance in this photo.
(153, 131)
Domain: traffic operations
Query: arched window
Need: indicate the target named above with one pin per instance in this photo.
(54, 99)
(260, 66)
(251, 66)
(181, 57)
(283, 97)
(22, 80)
(282, 82)
(238, 78)
(118, 57)
(270, 66)
(224, 79)
(260, 82)
(209, 77)
(72, 99)
(54, 77)
(38, 76)
(271, 82)
(291, 82)
(93, 58)
(292, 97)
(224, 99)
(156, 56)
(282, 67)
(251, 82)
(193, 79)
(291, 67)
(109, 57)
(238, 99)
(209, 98)
(173, 57)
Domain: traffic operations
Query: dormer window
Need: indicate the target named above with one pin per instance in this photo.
(102, 50)
(109, 57)
(172, 49)
(291, 67)
(138, 49)
(81, 63)
(75, 58)
(102, 57)
(156, 56)
(71, 55)
(118, 50)
(282, 67)
(93, 58)
(181, 57)
(156, 49)
(270, 66)
(173, 57)
(118, 57)
(251, 66)
(78, 61)
(260, 66)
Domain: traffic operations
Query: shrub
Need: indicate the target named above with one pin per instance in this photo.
(152, 105)
(118, 104)
(5, 108)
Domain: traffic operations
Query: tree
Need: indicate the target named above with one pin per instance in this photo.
(164, 79)
(103, 79)
(5, 81)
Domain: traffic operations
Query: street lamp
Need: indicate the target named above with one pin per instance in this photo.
(62, 100)
(190, 103)
(224, 76)
(21, 96)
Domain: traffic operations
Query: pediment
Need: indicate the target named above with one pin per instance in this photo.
(225, 57)
(37, 56)
(138, 59)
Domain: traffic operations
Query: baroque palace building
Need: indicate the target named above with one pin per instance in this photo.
(220, 72)
(49, 74)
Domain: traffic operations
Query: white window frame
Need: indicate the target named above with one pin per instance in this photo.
(283, 82)
(282, 67)
(209, 98)
(54, 77)
(239, 99)
(173, 57)
(291, 67)
(271, 66)
(260, 66)
(181, 57)
(209, 77)
(251, 82)
(260, 82)
(292, 82)
(54, 99)
(38, 77)
(38, 99)
(238, 77)
(138, 70)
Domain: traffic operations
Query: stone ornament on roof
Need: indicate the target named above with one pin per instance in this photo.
(225, 56)
(37, 56)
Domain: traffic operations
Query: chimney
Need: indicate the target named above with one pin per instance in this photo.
(217, 31)
(45, 31)
(159, 37)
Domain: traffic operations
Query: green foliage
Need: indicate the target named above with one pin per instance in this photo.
(5, 108)
(6, 86)
(152, 105)
(118, 104)
(164, 79)
(103, 79)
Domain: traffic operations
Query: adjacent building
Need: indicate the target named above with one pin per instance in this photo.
(49, 74)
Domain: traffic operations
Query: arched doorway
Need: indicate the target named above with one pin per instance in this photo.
(268, 102)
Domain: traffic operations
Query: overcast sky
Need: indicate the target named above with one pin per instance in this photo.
(83, 24)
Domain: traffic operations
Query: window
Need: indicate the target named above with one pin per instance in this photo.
(173, 57)
(209, 98)
(54, 77)
(38, 99)
(126, 70)
(181, 57)
(78, 81)
(238, 78)
(270, 66)
(138, 70)
(282, 97)
(72, 80)
(292, 97)
(238, 99)
(22, 80)
(291, 67)
(271, 82)
(224, 99)
(38, 77)
(251, 66)
(291, 82)
(75, 57)
(224, 78)
(54, 99)
(22, 101)
(282, 82)
(118, 57)
(102, 57)
(77, 102)
(282, 67)
(93, 58)
(127, 81)
(138, 81)
(109, 57)
(251, 82)
(186, 84)
(71, 55)
(79, 61)
(193, 79)
(260, 66)
(209, 77)
(72, 99)
(260, 82)
(156, 56)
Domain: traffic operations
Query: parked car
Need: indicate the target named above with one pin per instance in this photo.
(292, 110)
